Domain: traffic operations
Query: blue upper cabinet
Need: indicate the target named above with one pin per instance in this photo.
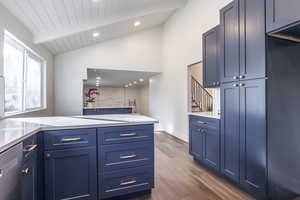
(282, 13)
(252, 39)
(229, 42)
(211, 74)
(242, 47)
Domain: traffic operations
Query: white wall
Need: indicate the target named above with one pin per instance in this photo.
(144, 100)
(14, 26)
(140, 51)
(182, 45)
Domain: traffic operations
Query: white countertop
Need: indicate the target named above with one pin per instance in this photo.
(103, 107)
(15, 130)
(206, 114)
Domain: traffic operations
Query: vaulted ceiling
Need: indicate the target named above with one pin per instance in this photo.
(64, 25)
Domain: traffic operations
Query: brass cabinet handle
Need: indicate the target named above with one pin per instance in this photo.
(127, 157)
(31, 148)
(235, 85)
(242, 76)
(242, 84)
(128, 182)
(235, 77)
(1, 173)
(128, 134)
(25, 171)
(70, 139)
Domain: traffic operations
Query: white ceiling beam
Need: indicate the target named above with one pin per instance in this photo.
(47, 37)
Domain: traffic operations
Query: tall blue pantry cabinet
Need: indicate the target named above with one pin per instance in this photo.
(243, 95)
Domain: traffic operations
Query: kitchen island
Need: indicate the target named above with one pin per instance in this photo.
(84, 158)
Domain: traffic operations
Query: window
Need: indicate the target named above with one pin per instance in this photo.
(24, 77)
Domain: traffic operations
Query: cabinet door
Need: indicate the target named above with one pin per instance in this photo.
(10, 166)
(29, 179)
(71, 174)
(252, 39)
(281, 13)
(196, 142)
(211, 152)
(229, 42)
(253, 137)
(211, 58)
(230, 131)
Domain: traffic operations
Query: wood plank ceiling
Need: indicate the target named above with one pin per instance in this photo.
(65, 25)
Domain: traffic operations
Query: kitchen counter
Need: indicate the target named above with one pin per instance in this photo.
(206, 114)
(15, 130)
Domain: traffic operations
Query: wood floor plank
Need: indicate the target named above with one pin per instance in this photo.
(179, 177)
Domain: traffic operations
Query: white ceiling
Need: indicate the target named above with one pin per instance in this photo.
(64, 25)
(118, 78)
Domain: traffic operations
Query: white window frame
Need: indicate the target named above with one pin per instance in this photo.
(26, 53)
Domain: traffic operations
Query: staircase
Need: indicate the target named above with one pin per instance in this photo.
(202, 101)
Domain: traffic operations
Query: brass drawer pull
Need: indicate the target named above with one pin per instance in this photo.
(200, 130)
(128, 182)
(31, 148)
(128, 134)
(127, 157)
(1, 173)
(25, 171)
(70, 139)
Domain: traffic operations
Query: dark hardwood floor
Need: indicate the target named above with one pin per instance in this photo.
(179, 177)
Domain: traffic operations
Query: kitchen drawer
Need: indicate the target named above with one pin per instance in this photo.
(30, 147)
(204, 122)
(122, 156)
(124, 134)
(62, 139)
(126, 181)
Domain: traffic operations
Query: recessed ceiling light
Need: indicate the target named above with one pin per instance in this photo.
(137, 23)
(134, 82)
(130, 84)
(96, 34)
(126, 85)
(141, 80)
(95, 1)
(98, 78)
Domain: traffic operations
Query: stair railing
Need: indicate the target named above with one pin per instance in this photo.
(201, 97)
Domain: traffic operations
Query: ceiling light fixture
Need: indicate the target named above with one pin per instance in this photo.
(130, 84)
(137, 23)
(96, 34)
(98, 78)
(134, 82)
(126, 85)
(95, 1)
(141, 80)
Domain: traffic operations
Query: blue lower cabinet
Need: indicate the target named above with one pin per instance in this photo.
(29, 179)
(123, 156)
(205, 141)
(123, 182)
(71, 174)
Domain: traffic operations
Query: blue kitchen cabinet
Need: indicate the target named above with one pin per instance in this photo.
(253, 137)
(229, 42)
(29, 171)
(10, 166)
(29, 176)
(230, 133)
(71, 174)
(211, 74)
(242, 50)
(252, 40)
(205, 141)
(281, 14)
(125, 160)
(106, 111)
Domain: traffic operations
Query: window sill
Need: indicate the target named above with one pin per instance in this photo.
(8, 115)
